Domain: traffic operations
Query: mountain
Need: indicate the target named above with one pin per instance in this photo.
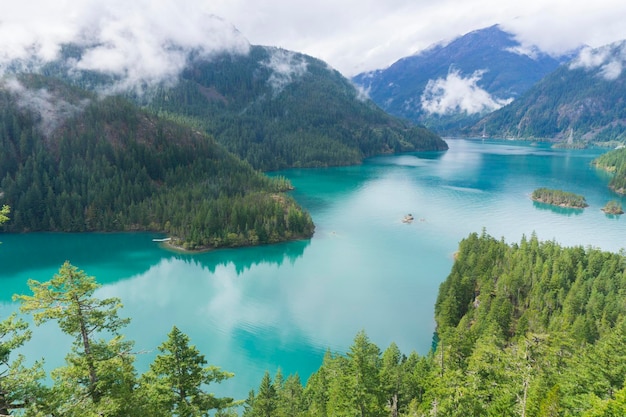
(272, 107)
(74, 162)
(454, 84)
(582, 102)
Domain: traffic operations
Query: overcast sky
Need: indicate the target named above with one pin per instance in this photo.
(351, 35)
(358, 35)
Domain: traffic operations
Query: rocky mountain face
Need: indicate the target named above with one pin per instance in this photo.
(451, 85)
(582, 101)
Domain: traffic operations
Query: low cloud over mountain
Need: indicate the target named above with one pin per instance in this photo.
(138, 42)
(459, 94)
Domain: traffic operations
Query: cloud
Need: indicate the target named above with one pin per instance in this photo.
(285, 66)
(52, 110)
(608, 60)
(458, 94)
(361, 35)
(140, 42)
(362, 93)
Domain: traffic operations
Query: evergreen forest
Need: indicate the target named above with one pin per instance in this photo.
(523, 329)
(109, 166)
(559, 198)
(615, 162)
(274, 108)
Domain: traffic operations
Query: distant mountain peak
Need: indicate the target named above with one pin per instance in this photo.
(580, 102)
(447, 83)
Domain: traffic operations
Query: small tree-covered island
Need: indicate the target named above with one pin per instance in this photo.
(559, 198)
(613, 207)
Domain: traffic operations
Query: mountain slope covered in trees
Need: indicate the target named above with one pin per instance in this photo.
(273, 108)
(614, 162)
(581, 102)
(73, 162)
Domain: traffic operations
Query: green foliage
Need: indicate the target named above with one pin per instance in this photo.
(308, 119)
(177, 379)
(559, 198)
(615, 162)
(530, 328)
(98, 370)
(20, 387)
(613, 207)
(113, 167)
(4, 214)
(99, 378)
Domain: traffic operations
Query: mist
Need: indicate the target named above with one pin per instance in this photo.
(138, 43)
(457, 93)
(285, 66)
(608, 60)
(52, 110)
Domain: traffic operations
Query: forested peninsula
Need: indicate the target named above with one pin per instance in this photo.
(614, 162)
(523, 329)
(106, 165)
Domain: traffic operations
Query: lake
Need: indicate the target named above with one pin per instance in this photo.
(284, 305)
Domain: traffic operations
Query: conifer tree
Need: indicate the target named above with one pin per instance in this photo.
(177, 379)
(99, 376)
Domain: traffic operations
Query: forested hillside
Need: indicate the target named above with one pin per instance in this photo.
(526, 329)
(579, 103)
(279, 109)
(273, 108)
(615, 162)
(73, 162)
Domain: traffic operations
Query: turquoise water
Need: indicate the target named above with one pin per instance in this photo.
(254, 309)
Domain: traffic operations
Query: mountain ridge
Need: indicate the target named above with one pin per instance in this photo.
(450, 85)
(272, 107)
(579, 103)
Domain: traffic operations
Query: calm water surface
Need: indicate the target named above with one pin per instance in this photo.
(284, 305)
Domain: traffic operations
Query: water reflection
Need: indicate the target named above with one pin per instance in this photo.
(245, 258)
(567, 211)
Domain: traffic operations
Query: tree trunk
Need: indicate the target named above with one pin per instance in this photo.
(394, 405)
(93, 378)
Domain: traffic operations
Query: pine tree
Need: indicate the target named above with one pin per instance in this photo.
(99, 376)
(177, 379)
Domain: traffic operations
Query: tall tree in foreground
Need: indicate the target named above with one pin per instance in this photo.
(175, 383)
(99, 377)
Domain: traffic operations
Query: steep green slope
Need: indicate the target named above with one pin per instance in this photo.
(279, 109)
(614, 161)
(72, 162)
(580, 102)
(272, 107)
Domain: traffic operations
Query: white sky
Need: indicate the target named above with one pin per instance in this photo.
(351, 35)
(358, 35)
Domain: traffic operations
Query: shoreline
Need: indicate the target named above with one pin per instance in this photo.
(562, 205)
